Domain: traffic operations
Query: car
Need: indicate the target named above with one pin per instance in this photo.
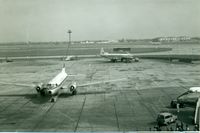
(70, 57)
(166, 118)
(174, 104)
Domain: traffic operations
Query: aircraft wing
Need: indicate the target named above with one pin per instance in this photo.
(100, 82)
(74, 75)
(17, 84)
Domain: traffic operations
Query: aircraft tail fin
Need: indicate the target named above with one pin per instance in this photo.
(102, 51)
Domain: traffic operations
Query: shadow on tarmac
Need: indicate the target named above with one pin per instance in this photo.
(38, 99)
(185, 115)
(34, 98)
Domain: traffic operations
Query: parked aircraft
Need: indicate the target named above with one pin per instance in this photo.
(114, 57)
(190, 98)
(55, 87)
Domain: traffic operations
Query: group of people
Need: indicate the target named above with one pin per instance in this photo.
(179, 127)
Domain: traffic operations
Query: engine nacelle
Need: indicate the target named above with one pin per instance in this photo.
(53, 99)
(38, 87)
(72, 87)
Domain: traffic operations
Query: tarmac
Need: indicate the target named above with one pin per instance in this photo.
(128, 105)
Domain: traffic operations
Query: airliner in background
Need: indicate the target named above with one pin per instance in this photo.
(114, 57)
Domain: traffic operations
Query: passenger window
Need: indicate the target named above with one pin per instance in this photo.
(167, 116)
(48, 85)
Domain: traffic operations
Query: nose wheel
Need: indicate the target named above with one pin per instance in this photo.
(42, 93)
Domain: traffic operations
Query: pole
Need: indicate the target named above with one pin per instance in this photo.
(69, 32)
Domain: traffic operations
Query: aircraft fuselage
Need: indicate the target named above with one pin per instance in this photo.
(53, 86)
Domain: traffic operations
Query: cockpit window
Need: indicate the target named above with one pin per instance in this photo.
(48, 85)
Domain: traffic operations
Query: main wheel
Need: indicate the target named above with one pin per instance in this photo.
(74, 92)
(113, 60)
(128, 61)
(136, 60)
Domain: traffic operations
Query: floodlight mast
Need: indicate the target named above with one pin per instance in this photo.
(69, 32)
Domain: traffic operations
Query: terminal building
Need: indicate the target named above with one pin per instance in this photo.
(171, 39)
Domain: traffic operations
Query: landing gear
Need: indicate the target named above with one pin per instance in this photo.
(136, 59)
(125, 60)
(128, 60)
(74, 92)
(73, 89)
(113, 60)
(185, 60)
(42, 92)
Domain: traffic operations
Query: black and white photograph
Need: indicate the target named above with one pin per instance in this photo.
(99, 65)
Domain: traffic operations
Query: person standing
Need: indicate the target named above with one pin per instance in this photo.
(182, 126)
(187, 128)
(178, 107)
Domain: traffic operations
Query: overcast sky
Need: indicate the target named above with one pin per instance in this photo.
(49, 20)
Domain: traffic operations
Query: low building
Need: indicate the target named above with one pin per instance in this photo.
(171, 39)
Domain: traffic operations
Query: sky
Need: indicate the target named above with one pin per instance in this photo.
(49, 20)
